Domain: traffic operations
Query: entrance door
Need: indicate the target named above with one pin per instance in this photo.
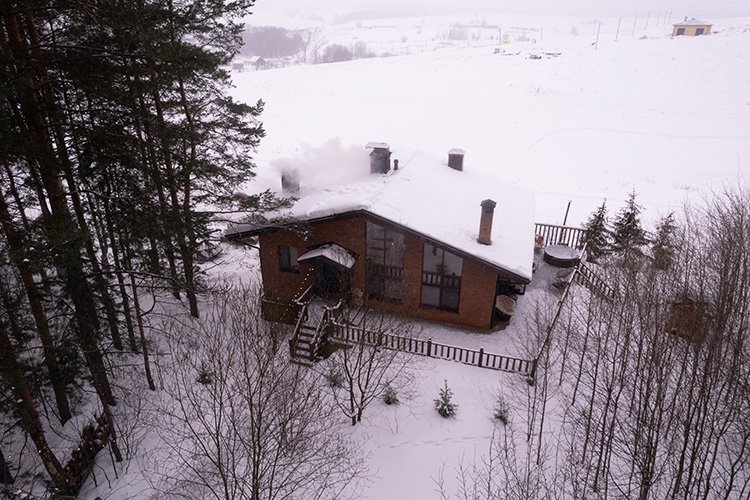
(332, 280)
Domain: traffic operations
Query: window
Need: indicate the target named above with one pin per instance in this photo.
(385, 263)
(441, 278)
(288, 259)
(698, 31)
(680, 31)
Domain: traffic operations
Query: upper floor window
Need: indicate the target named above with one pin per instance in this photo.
(288, 259)
(441, 278)
(385, 263)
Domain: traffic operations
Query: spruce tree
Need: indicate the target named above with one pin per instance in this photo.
(628, 236)
(597, 240)
(663, 246)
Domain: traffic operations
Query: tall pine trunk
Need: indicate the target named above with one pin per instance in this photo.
(18, 251)
(27, 413)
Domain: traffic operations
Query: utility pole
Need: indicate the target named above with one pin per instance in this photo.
(565, 220)
(634, 23)
(618, 29)
(647, 18)
(670, 16)
(598, 27)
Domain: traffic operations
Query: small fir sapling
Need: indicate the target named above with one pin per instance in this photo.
(204, 376)
(502, 410)
(389, 395)
(443, 404)
(335, 379)
(664, 246)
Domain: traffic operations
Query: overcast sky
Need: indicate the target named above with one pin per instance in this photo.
(377, 8)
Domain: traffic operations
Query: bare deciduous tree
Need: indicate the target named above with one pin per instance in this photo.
(370, 360)
(246, 423)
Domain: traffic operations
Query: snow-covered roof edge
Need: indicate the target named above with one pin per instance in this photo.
(693, 22)
(238, 231)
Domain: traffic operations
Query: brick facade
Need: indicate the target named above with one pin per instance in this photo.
(478, 282)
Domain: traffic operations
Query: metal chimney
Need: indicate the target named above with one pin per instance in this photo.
(380, 157)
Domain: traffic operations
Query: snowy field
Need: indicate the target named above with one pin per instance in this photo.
(665, 117)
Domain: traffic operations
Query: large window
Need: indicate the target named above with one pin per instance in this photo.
(441, 278)
(385, 263)
(288, 259)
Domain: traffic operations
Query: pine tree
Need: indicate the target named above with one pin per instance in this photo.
(627, 234)
(597, 241)
(116, 121)
(663, 246)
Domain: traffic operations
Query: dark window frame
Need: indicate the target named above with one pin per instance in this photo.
(378, 274)
(442, 281)
(288, 262)
(680, 32)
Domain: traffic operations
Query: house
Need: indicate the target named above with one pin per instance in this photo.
(419, 238)
(257, 62)
(692, 27)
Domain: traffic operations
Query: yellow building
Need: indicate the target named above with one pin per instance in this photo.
(693, 27)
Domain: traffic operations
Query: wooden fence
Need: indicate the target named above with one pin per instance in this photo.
(586, 277)
(350, 334)
(561, 235)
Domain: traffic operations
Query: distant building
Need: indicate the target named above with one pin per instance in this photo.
(692, 27)
(257, 62)
(238, 66)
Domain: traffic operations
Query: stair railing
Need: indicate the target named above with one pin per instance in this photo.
(297, 328)
(328, 313)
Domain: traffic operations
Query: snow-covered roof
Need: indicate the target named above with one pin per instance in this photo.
(693, 22)
(332, 252)
(441, 204)
(255, 59)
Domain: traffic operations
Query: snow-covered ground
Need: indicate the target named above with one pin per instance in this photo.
(666, 117)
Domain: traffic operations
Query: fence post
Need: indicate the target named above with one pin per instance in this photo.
(429, 347)
(481, 356)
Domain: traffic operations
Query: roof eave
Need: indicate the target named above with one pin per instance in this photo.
(353, 213)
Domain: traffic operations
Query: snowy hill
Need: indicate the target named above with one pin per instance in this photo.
(666, 117)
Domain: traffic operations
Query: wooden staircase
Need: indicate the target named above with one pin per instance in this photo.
(310, 332)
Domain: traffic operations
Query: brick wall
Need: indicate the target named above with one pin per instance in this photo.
(477, 284)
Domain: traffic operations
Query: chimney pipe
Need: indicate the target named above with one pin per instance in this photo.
(456, 159)
(380, 157)
(485, 223)
(290, 181)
